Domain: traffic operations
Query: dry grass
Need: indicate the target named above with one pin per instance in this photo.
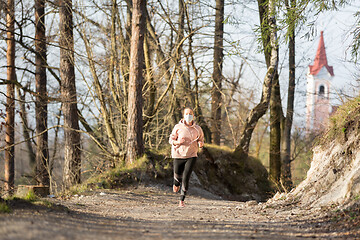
(343, 122)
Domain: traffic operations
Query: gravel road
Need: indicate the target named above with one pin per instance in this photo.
(152, 213)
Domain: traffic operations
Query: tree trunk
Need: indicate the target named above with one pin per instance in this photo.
(164, 65)
(10, 100)
(275, 132)
(72, 153)
(286, 142)
(114, 57)
(135, 147)
(26, 131)
(217, 74)
(268, 23)
(197, 108)
(255, 114)
(260, 141)
(42, 151)
(267, 18)
(264, 24)
(242, 150)
(125, 51)
(150, 81)
(105, 111)
(183, 87)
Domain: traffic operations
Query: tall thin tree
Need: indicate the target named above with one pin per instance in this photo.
(10, 100)
(217, 74)
(267, 10)
(42, 152)
(286, 140)
(26, 130)
(269, 39)
(276, 116)
(72, 153)
(182, 89)
(135, 146)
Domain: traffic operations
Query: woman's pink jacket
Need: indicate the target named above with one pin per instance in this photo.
(192, 135)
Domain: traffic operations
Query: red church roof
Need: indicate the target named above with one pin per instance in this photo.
(320, 59)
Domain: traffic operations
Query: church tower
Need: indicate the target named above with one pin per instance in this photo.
(319, 77)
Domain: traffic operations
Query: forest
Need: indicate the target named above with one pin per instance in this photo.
(93, 85)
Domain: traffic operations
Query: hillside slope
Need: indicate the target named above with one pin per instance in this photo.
(217, 171)
(223, 173)
(334, 175)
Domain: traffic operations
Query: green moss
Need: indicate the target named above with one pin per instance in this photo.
(154, 164)
(30, 200)
(31, 196)
(159, 153)
(217, 151)
(11, 198)
(45, 203)
(77, 189)
(141, 163)
(4, 208)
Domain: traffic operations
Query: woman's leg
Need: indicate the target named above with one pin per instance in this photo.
(179, 165)
(189, 165)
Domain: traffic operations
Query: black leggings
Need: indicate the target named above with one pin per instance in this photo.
(182, 172)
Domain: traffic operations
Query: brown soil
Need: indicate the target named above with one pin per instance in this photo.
(152, 213)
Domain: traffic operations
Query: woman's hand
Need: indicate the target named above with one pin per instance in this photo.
(201, 144)
(179, 142)
(173, 136)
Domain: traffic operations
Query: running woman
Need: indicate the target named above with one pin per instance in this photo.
(185, 139)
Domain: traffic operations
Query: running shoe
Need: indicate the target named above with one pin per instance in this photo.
(181, 204)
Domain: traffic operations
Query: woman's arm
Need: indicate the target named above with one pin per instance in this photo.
(173, 139)
(173, 136)
(201, 138)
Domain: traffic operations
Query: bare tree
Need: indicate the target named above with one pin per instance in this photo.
(101, 93)
(267, 13)
(286, 140)
(72, 155)
(217, 74)
(26, 129)
(10, 100)
(276, 116)
(260, 109)
(42, 151)
(191, 55)
(184, 93)
(150, 81)
(135, 147)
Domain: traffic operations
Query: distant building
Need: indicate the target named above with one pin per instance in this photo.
(319, 76)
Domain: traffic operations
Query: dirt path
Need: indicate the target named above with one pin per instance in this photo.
(152, 213)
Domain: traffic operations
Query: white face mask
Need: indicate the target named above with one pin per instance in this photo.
(188, 118)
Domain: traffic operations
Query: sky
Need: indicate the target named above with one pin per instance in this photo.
(243, 19)
(337, 27)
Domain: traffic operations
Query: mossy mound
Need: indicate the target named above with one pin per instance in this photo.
(218, 170)
(224, 173)
(153, 165)
(4, 208)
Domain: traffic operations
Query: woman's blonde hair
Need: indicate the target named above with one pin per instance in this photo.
(189, 109)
